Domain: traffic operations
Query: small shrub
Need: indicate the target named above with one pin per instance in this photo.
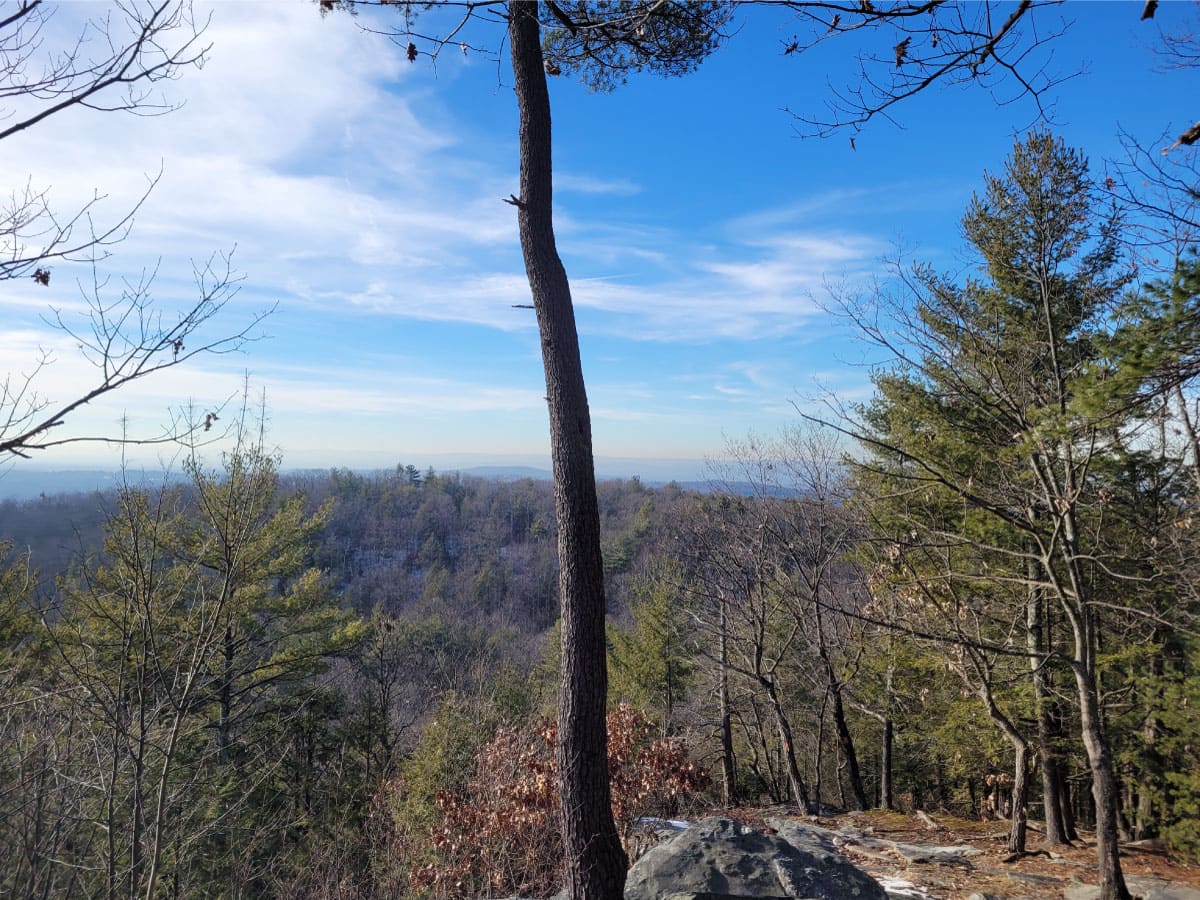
(498, 834)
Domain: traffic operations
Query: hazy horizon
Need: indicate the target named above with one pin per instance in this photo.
(363, 194)
(32, 478)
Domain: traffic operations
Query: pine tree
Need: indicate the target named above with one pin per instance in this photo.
(985, 434)
(276, 623)
(184, 662)
(652, 664)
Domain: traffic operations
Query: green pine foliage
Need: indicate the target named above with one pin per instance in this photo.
(285, 685)
(652, 664)
(604, 45)
(1011, 468)
(178, 700)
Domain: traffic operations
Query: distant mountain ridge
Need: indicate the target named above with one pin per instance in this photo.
(30, 484)
(508, 473)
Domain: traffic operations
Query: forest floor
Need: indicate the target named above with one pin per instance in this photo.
(1040, 875)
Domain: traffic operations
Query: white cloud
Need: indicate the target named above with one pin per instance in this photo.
(588, 184)
(360, 201)
(311, 145)
(747, 290)
(293, 144)
(401, 396)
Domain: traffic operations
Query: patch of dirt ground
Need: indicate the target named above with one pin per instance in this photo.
(1044, 874)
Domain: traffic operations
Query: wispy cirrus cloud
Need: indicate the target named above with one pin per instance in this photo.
(365, 197)
(370, 209)
(737, 290)
(740, 290)
(589, 184)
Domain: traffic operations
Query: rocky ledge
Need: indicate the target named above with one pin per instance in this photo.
(720, 859)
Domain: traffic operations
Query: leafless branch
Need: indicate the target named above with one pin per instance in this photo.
(124, 339)
(1162, 193)
(112, 65)
(924, 43)
(115, 62)
(32, 235)
(1179, 46)
(456, 16)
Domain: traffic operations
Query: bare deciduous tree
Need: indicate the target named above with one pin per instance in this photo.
(990, 44)
(125, 339)
(115, 62)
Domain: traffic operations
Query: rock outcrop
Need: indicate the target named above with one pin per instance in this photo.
(803, 835)
(1146, 888)
(720, 859)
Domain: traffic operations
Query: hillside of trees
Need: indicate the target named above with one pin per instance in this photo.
(975, 593)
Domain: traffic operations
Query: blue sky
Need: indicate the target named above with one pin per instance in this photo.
(363, 195)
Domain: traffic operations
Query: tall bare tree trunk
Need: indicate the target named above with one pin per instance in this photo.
(1020, 788)
(728, 771)
(1150, 768)
(818, 775)
(796, 784)
(595, 863)
(1037, 638)
(1020, 795)
(1091, 724)
(887, 799)
(1064, 790)
(1104, 785)
(845, 739)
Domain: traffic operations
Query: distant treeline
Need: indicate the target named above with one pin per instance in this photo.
(337, 684)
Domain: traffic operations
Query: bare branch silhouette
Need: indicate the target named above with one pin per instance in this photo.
(125, 339)
(905, 48)
(112, 66)
(116, 62)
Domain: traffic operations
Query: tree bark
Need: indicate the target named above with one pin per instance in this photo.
(1020, 788)
(886, 798)
(595, 861)
(846, 741)
(1054, 804)
(1104, 786)
(818, 775)
(1037, 638)
(796, 784)
(728, 771)
(1083, 665)
(1150, 769)
(1064, 790)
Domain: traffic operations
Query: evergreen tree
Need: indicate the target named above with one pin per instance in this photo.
(185, 661)
(983, 438)
(652, 664)
(132, 646)
(277, 623)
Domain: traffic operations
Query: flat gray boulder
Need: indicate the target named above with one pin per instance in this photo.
(719, 859)
(804, 835)
(1147, 888)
